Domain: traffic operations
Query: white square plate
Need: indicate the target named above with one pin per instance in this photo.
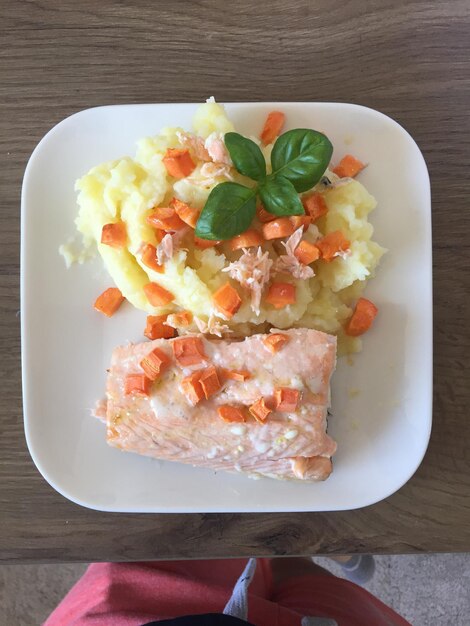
(382, 432)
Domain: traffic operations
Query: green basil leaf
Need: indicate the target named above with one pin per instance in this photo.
(279, 197)
(246, 156)
(301, 156)
(229, 211)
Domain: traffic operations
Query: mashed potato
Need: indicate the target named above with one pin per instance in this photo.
(129, 188)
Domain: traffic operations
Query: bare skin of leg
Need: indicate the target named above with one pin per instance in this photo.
(288, 567)
(343, 558)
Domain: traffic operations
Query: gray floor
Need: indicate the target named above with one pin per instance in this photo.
(428, 590)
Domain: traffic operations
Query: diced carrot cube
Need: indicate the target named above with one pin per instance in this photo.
(137, 384)
(259, 410)
(178, 163)
(248, 239)
(187, 213)
(307, 252)
(362, 318)
(165, 218)
(231, 413)
(300, 220)
(263, 215)
(156, 329)
(157, 295)
(348, 167)
(315, 205)
(275, 341)
(209, 380)
(278, 228)
(114, 235)
(188, 351)
(286, 399)
(203, 244)
(149, 258)
(239, 375)
(333, 243)
(154, 363)
(227, 300)
(192, 388)
(281, 294)
(272, 126)
(109, 301)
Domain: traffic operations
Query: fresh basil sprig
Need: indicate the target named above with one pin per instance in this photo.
(298, 159)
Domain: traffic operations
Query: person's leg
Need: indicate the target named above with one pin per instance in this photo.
(284, 568)
(136, 593)
(302, 586)
(220, 572)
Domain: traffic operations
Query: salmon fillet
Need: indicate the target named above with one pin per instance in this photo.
(288, 445)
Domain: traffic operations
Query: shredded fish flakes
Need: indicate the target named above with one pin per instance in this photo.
(252, 270)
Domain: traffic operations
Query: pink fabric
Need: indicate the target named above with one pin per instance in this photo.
(131, 594)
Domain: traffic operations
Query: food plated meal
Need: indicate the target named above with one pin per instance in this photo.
(381, 396)
(252, 254)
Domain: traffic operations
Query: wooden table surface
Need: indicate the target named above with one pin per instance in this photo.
(408, 59)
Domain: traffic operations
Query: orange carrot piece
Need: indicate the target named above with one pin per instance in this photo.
(157, 295)
(239, 375)
(307, 252)
(156, 329)
(209, 381)
(231, 413)
(275, 341)
(278, 228)
(178, 163)
(109, 301)
(187, 213)
(247, 239)
(188, 351)
(165, 218)
(149, 258)
(203, 244)
(315, 205)
(348, 167)
(331, 244)
(192, 388)
(263, 215)
(272, 127)
(281, 294)
(286, 399)
(137, 384)
(362, 318)
(259, 410)
(114, 235)
(227, 300)
(154, 363)
(300, 220)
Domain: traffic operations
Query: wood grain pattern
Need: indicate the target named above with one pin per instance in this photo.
(408, 59)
